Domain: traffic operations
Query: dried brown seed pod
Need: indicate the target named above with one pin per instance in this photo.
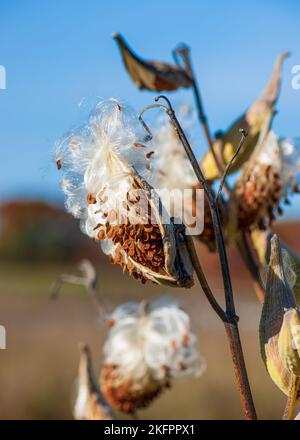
(152, 75)
(265, 180)
(147, 346)
(90, 403)
(259, 114)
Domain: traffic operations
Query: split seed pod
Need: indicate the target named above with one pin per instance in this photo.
(106, 167)
(292, 260)
(253, 121)
(278, 298)
(268, 178)
(289, 341)
(90, 404)
(152, 75)
(147, 346)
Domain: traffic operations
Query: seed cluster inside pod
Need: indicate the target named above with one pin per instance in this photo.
(142, 243)
(148, 345)
(137, 240)
(266, 181)
(124, 394)
(259, 197)
(104, 163)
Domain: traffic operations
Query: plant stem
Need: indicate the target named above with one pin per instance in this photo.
(240, 370)
(185, 53)
(229, 316)
(231, 324)
(200, 108)
(225, 172)
(230, 309)
(232, 334)
(202, 279)
(202, 117)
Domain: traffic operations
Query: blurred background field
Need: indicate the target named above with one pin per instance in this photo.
(39, 367)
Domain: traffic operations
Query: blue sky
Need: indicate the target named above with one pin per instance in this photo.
(58, 54)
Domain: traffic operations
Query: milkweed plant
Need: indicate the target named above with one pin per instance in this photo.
(119, 175)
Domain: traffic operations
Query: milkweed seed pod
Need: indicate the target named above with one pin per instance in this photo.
(290, 271)
(289, 341)
(106, 168)
(278, 299)
(267, 179)
(89, 404)
(147, 346)
(152, 75)
(294, 270)
(261, 112)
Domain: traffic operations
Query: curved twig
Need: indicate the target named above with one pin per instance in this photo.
(228, 166)
(87, 280)
(228, 317)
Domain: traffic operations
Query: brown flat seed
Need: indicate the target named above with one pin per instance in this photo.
(91, 199)
(97, 226)
(110, 233)
(101, 234)
(130, 265)
(110, 323)
(148, 155)
(139, 145)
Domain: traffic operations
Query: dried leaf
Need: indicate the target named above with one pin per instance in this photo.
(152, 75)
(253, 121)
